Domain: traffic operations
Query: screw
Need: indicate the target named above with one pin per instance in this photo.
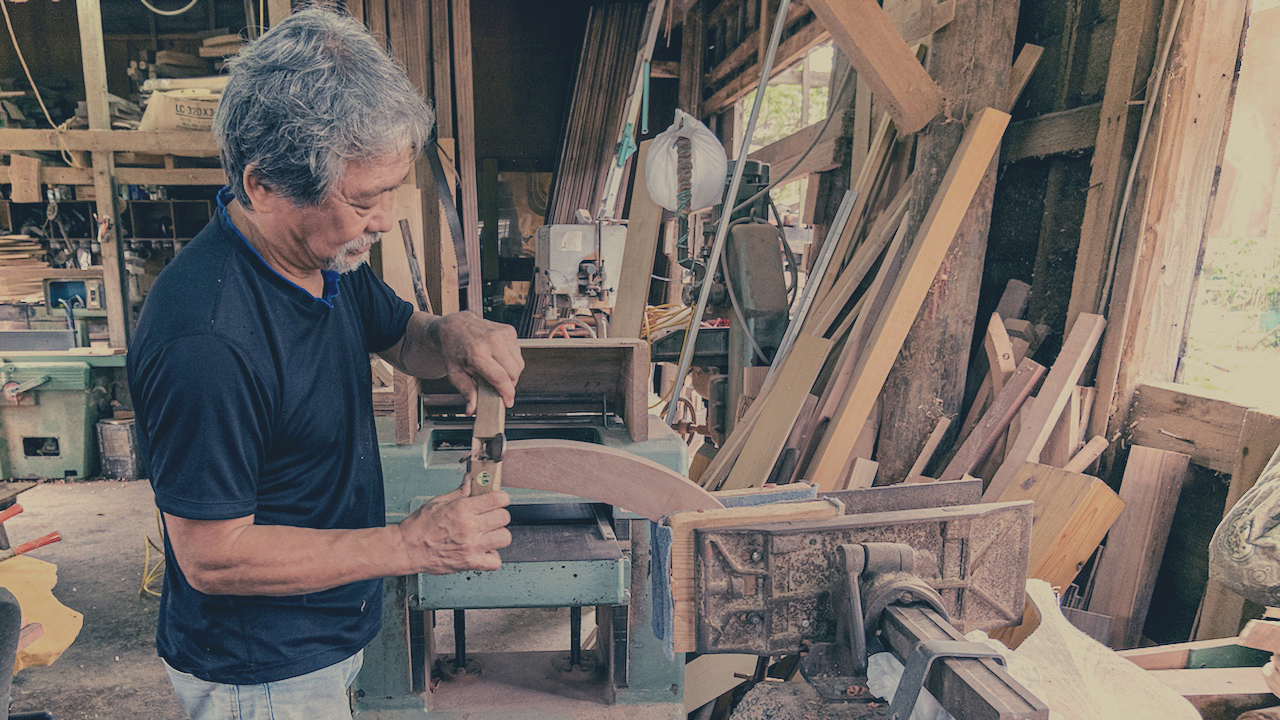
(483, 478)
(755, 557)
(755, 619)
(804, 623)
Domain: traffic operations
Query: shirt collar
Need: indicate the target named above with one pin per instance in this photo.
(331, 278)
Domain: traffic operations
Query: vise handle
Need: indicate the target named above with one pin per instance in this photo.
(484, 465)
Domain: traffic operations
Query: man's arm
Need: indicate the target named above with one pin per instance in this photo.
(459, 345)
(235, 557)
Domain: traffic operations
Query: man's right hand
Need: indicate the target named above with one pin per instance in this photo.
(455, 532)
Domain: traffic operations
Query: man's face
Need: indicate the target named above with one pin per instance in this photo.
(339, 232)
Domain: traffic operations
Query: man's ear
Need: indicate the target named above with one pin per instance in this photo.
(263, 197)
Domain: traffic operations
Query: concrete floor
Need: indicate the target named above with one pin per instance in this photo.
(111, 671)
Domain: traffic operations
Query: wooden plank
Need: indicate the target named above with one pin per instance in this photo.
(1136, 21)
(1064, 440)
(1013, 301)
(24, 174)
(437, 241)
(1020, 75)
(863, 475)
(1261, 635)
(1056, 133)
(783, 154)
(406, 392)
(644, 225)
(1221, 610)
(465, 106)
(777, 412)
(921, 266)
(1088, 454)
(864, 34)
(977, 446)
(184, 143)
(1153, 480)
(1190, 420)
(707, 677)
(1072, 514)
(406, 204)
(683, 566)
(1171, 657)
(999, 351)
(930, 447)
(1219, 693)
(441, 67)
(1094, 625)
(1043, 415)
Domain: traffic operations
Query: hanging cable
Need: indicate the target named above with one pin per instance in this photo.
(168, 13)
(66, 155)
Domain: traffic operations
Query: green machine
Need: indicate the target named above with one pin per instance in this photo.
(49, 404)
(566, 552)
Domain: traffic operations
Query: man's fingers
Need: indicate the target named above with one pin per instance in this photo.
(465, 385)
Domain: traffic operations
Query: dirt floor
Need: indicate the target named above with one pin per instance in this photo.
(111, 671)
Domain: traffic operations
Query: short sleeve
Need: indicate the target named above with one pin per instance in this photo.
(204, 419)
(383, 313)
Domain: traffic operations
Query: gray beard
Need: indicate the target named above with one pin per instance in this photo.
(344, 262)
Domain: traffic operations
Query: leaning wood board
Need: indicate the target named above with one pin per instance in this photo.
(863, 32)
(683, 563)
(643, 227)
(1072, 514)
(1188, 420)
(938, 229)
(778, 412)
(1153, 480)
(1052, 398)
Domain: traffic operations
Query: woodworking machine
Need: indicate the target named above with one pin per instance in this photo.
(888, 574)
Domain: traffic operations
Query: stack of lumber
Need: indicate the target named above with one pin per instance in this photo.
(20, 255)
(221, 46)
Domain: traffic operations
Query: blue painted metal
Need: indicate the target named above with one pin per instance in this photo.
(415, 474)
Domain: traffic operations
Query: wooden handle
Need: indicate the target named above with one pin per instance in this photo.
(487, 439)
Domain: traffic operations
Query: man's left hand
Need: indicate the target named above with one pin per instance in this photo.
(471, 346)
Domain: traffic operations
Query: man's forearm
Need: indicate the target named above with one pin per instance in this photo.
(275, 560)
(418, 353)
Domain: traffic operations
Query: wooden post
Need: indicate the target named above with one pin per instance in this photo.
(89, 14)
(1163, 240)
(971, 60)
(466, 135)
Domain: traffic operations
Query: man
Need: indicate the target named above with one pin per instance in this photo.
(250, 377)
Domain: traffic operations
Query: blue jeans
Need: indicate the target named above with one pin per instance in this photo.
(319, 695)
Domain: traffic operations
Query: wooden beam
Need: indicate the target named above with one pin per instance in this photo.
(1162, 243)
(782, 154)
(441, 67)
(1072, 514)
(1056, 133)
(465, 105)
(977, 447)
(1088, 454)
(644, 225)
(790, 50)
(1044, 414)
(949, 207)
(1189, 420)
(24, 174)
(778, 410)
(1153, 480)
(930, 447)
(184, 143)
(1171, 657)
(865, 35)
(1136, 24)
(107, 227)
(1025, 64)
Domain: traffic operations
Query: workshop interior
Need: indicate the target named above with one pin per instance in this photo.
(860, 341)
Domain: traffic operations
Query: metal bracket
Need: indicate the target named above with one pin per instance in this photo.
(918, 665)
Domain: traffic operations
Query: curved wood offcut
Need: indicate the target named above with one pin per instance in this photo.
(602, 474)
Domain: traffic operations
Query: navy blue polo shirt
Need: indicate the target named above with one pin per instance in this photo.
(253, 397)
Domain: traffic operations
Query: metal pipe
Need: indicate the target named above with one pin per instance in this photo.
(575, 637)
(460, 640)
(722, 232)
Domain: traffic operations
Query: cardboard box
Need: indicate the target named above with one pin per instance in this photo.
(186, 109)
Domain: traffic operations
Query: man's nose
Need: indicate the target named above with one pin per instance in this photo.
(381, 220)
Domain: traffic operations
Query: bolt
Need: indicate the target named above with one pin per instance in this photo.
(483, 478)
(755, 619)
(755, 557)
(804, 623)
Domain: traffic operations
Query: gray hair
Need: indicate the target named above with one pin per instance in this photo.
(311, 95)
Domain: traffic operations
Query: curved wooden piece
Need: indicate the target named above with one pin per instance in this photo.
(602, 474)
